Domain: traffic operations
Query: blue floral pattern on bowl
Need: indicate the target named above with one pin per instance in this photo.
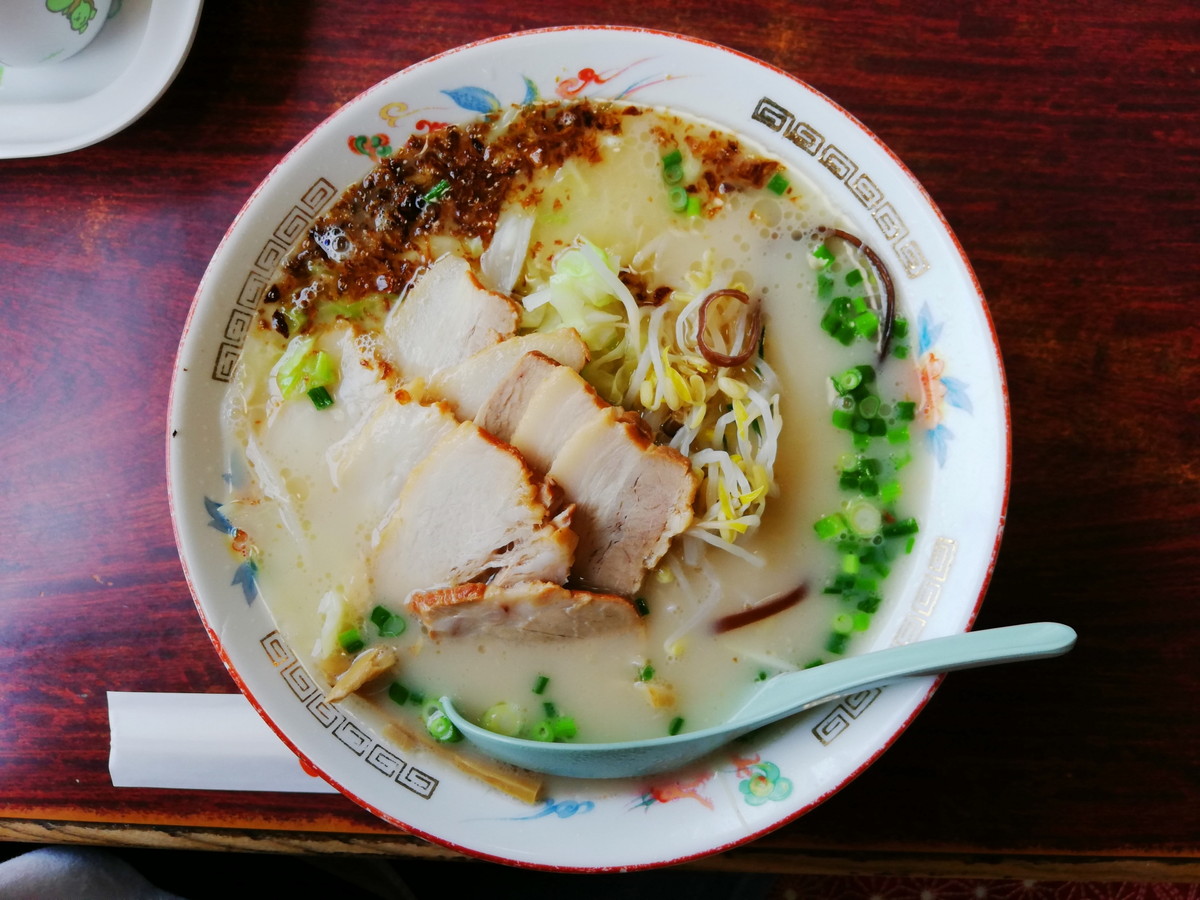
(938, 390)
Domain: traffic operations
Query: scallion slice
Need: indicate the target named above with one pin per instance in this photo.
(387, 622)
(320, 397)
(398, 693)
(350, 640)
(436, 192)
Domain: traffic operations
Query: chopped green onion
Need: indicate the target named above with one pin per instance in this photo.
(676, 726)
(540, 685)
(906, 410)
(837, 643)
(387, 622)
(844, 419)
(398, 693)
(854, 277)
(672, 158)
(830, 527)
(646, 673)
(898, 435)
(555, 728)
(693, 205)
(350, 640)
(866, 324)
(890, 491)
(320, 397)
(549, 709)
(813, 663)
(823, 253)
(870, 605)
(900, 528)
(778, 184)
(436, 192)
(673, 174)
(843, 623)
(439, 726)
(678, 197)
(866, 585)
(848, 380)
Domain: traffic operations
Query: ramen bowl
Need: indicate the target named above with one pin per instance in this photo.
(768, 779)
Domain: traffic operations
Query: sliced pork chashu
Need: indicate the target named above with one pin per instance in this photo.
(374, 462)
(446, 317)
(471, 510)
(562, 404)
(501, 413)
(468, 385)
(631, 497)
(533, 609)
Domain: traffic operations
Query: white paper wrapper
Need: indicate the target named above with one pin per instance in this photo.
(201, 742)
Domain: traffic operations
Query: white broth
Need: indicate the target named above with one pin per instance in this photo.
(608, 180)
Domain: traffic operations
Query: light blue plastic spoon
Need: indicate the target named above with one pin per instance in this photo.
(778, 698)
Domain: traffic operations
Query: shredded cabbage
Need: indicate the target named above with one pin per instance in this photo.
(302, 367)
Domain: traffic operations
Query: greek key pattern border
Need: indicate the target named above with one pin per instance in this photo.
(843, 715)
(845, 169)
(929, 591)
(270, 254)
(339, 726)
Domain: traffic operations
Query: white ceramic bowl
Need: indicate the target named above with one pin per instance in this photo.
(593, 826)
(37, 32)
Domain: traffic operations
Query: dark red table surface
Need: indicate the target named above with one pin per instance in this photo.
(1061, 142)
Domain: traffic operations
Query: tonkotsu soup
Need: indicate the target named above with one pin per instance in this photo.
(590, 416)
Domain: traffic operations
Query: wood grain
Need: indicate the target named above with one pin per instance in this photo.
(1060, 141)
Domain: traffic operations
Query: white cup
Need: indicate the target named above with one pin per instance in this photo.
(33, 32)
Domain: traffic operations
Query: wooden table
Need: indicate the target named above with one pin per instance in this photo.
(1061, 141)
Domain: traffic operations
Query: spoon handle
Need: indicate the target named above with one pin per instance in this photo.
(790, 693)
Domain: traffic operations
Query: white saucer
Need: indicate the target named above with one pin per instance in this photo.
(93, 95)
